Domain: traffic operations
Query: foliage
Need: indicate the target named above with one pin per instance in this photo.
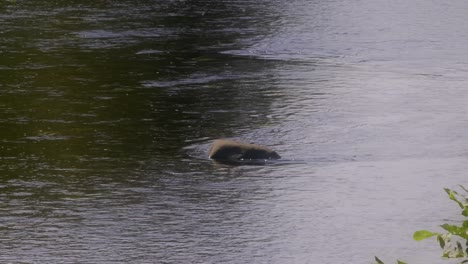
(454, 242)
(381, 262)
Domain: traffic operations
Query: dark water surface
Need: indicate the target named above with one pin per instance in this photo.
(107, 109)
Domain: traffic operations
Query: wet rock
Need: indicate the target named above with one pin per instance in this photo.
(228, 150)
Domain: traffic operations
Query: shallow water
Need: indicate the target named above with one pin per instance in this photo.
(108, 110)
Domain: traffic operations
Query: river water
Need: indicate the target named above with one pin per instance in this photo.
(108, 108)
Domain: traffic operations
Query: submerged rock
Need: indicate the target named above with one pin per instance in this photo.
(233, 151)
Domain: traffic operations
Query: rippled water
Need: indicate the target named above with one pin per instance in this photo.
(108, 108)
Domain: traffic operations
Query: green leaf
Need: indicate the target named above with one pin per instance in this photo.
(463, 187)
(453, 229)
(448, 191)
(460, 253)
(423, 234)
(441, 241)
(452, 197)
(401, 262)
(465, 211)
(456, 230)
(378, 260)
(465, 224)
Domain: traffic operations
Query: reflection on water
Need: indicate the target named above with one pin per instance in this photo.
(107, 111)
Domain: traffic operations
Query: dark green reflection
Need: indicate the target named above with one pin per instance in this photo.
(88, 87)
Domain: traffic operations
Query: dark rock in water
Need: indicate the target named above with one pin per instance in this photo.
(232, 151)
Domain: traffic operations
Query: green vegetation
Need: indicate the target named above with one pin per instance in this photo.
(381, 262)
(454, 242)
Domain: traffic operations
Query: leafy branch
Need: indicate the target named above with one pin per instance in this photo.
(454, 242)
